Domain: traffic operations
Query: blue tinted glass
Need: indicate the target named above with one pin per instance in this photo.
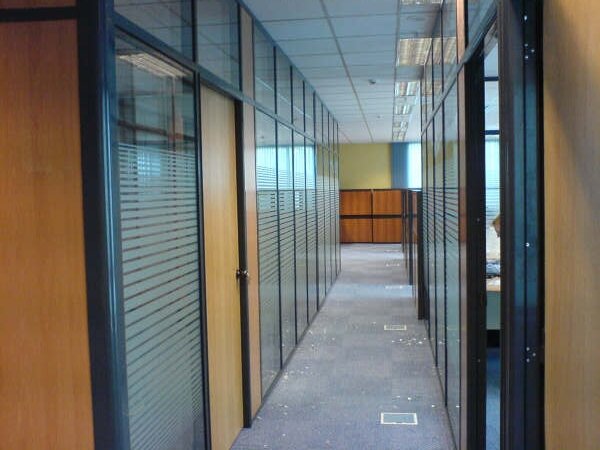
(218, 38)
(168, 20)
(264, 70)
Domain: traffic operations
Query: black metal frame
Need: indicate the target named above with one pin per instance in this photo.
(522, 397)
(475, 314)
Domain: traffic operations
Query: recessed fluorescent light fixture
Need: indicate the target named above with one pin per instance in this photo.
(406, 100)
(450, 50)
(412, 51)
(437, 51)
(153, 65)
(404, 88)
(403, 109)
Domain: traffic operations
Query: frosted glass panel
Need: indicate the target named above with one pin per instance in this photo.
(158, 188)
(286, 239)
(268, 256)
(452, 247)
(300, 234)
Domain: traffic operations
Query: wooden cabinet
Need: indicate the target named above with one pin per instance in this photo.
(356, 230)
(388, 202)
(374, 215)
(356, 203)
(387, 230)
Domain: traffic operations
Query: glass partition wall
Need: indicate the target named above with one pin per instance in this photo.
(158, 53)
(444, 196)
(298, 205)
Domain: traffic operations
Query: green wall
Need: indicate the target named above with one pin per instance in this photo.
(365, 166)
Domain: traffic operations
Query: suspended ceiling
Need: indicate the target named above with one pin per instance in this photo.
(363, 57)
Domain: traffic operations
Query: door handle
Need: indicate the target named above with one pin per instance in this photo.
(242, 274)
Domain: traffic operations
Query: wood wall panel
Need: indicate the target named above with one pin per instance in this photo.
(223, 315)
(572, 223)
(246, 30)
(387, 202)
(355, 203)
(45, 392)
(356, 230)
(387, 230)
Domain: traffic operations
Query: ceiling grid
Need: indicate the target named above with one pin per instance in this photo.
(362, 57)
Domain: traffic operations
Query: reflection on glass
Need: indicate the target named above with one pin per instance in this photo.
(264, 70)
(300, 233)
(218, 39)
(268, 236)
(284, 86)
(449, 29)
(285, 188)
(428, 85)
(157, 182)
(311, 223)
(431, 239)
(451, 186)
(309, 106)
(298, 100)
(170, 21)
(436, 45)
(440, 261)
(478, 10)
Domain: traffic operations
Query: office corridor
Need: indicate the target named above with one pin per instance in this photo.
(348, 370)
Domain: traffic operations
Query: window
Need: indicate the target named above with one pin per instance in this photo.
(264, 70)
(284, 86)
(218, 38)
(167, 20)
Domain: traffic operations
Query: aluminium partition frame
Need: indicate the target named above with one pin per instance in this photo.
(522, 417)
(522, 223)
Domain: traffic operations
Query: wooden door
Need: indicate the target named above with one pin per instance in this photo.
(222, 259)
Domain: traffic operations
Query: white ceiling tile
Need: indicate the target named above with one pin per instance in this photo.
(374, 57)
(311, 61)
(365, 26)
(328, 72)
(331, 82)
(298, 29)
(308, 46)
(360, 7)
(367, 44)
(285, 9)
(376, 71)
(342, 89)
(417, 25)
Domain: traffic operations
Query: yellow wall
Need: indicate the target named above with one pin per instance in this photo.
(572, 216)
(365, 166)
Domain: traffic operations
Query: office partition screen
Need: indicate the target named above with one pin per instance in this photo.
(285, 195)
(452, 249)
(268, 246)
(297, 194)
(158, 186)
(443, 229)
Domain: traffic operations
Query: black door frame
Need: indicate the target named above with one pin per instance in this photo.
(243, 261)
(522, 220)
(473, 179)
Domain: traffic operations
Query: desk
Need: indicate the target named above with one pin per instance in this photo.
(493, 290)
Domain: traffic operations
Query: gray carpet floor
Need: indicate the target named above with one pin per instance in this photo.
(348, 370)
